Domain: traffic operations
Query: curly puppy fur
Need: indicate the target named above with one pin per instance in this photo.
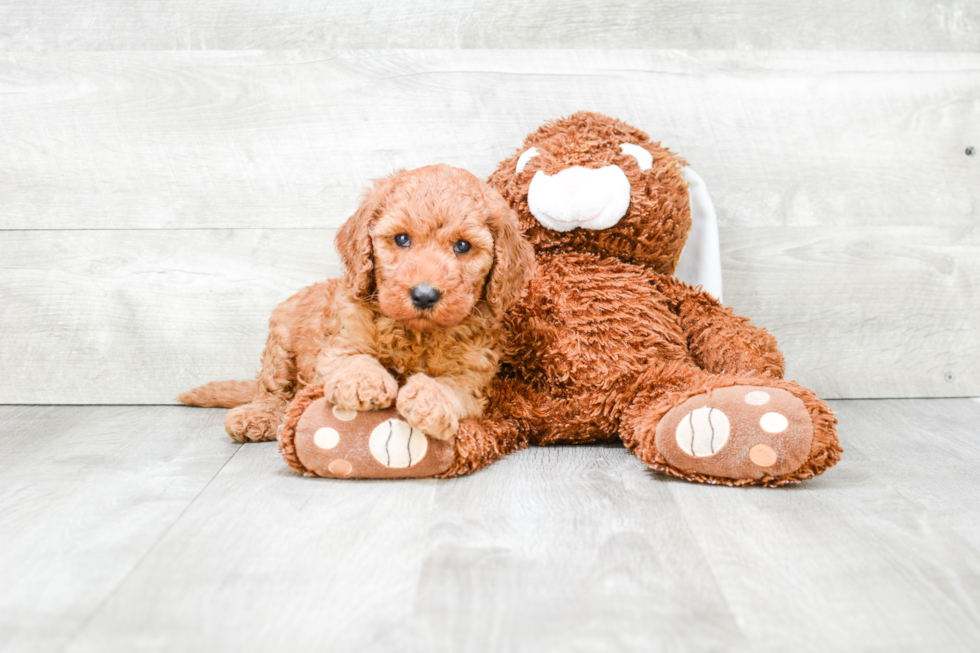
(365, 338)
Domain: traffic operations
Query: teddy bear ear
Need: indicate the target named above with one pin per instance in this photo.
(353, 240)
(700, 260)
(513, 256)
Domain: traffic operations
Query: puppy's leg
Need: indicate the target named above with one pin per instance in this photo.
(356, 381)
(258, 421)
(435, 405)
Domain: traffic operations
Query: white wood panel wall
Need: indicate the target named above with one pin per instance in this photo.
(905, 25)
(155, 205)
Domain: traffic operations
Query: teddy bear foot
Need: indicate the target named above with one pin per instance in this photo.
(738, 432)
(325, 440)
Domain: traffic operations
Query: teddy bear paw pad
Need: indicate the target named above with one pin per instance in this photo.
(338, 443)
(737, 432)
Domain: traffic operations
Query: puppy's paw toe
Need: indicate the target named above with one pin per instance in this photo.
(371, 389)
(245, 424)
(429, 407)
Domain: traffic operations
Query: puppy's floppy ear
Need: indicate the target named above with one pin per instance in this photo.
(353, 241)
(513, 256)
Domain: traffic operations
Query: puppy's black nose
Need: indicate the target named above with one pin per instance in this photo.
(424, 296)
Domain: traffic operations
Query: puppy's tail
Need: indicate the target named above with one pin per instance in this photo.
(221, 394)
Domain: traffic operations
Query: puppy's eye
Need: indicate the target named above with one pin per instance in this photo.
(461, 247)
(402, 240)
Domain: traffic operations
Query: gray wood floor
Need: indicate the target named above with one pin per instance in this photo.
(145, 528)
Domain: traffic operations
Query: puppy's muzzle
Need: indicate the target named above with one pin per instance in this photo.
(424, 296)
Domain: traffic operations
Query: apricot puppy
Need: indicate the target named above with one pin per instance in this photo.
(433, 258)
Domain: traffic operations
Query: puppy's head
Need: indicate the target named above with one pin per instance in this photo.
(429, 245)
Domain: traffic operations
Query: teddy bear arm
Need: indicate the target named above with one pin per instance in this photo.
(720, 341)
(531, 334)
(513, 408)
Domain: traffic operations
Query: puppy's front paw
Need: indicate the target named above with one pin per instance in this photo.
(430, 407)
(365, 387)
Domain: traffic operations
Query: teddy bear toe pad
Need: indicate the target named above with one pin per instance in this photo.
(337, 443)
(737, 432)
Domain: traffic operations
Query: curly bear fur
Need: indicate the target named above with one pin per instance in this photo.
(606, 343)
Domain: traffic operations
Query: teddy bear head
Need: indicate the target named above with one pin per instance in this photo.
(595, 184)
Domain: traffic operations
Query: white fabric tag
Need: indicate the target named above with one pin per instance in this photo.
(700, 263)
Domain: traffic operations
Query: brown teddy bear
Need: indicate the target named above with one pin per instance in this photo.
(606, 343)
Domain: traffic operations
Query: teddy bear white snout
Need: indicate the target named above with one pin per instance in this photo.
(591, 198)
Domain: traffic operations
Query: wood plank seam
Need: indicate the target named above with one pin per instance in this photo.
(122, 581)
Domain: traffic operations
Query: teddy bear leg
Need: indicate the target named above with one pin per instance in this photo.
(731, 430)
(320, 439)
(479, 443)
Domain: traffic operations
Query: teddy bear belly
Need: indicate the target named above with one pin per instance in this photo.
(604, 325)
(589, 392)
